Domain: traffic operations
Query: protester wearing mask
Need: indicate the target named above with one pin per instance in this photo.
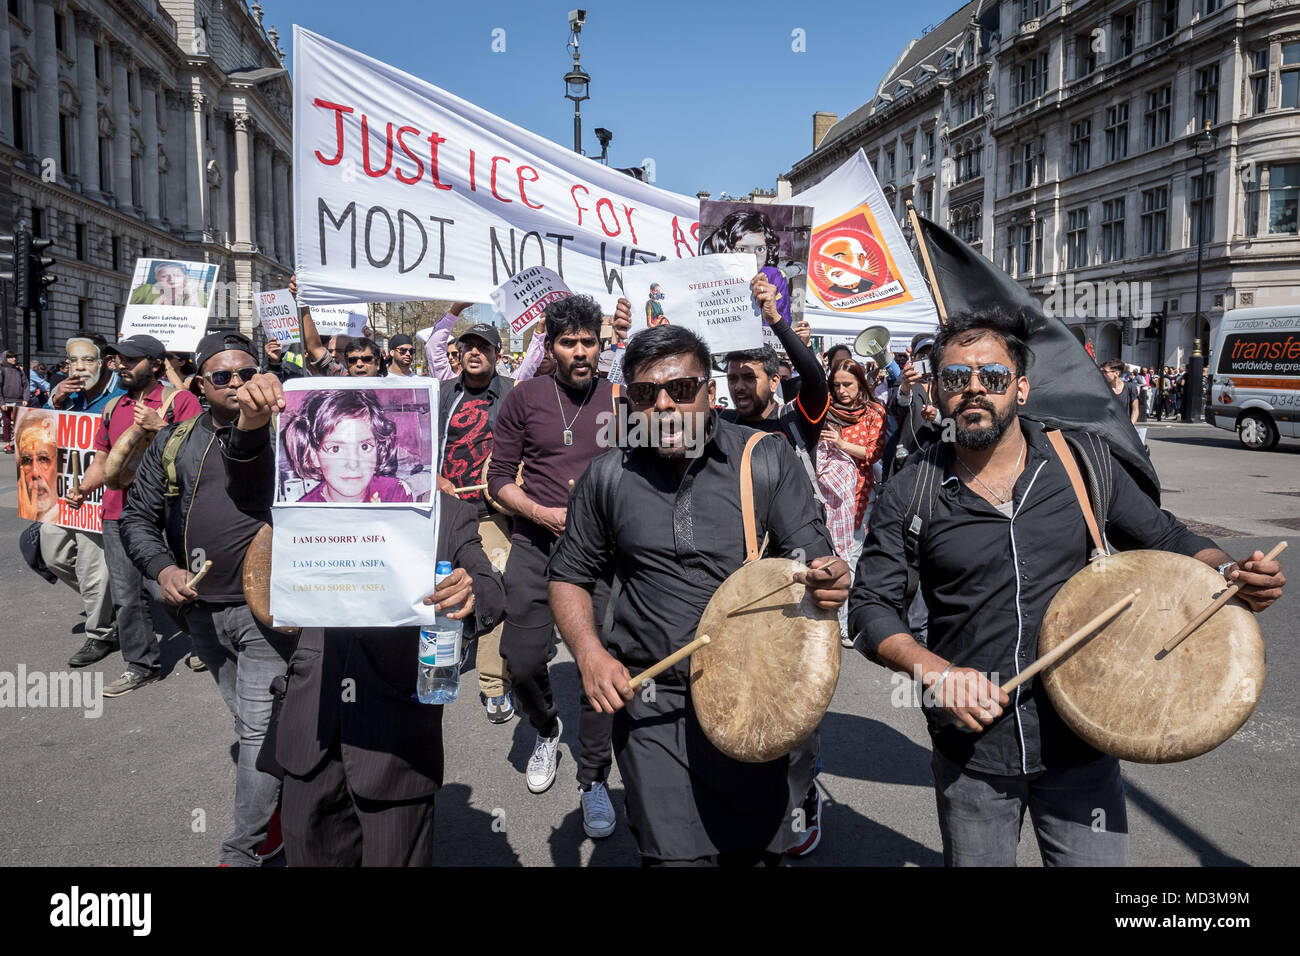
(180, 515)
(151, 405)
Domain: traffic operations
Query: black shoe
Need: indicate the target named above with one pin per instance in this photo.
(92, 651)
(128, 682)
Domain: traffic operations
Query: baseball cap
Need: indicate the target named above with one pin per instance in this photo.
(218, 342)
(922, 341)
(137, 347)
(488, 333)
(399, 340)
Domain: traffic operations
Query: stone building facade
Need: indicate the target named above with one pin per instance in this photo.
(144, 128)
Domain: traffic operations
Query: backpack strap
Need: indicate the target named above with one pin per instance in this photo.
(753, 548)
(1066, 456)
(168, 396)
(170, 450)
(106, 415)
(920, 508)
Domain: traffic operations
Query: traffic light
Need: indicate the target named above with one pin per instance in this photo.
(22, 256)
(1128, 329)
(9, 273)
(37, 279)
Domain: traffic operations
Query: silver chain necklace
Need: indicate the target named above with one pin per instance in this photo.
(1010, 486)
(568, 426)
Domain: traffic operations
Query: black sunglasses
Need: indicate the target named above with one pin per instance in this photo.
(679, 390)
(405, 350)
(354, 359)
(995, 378)
(222, 376)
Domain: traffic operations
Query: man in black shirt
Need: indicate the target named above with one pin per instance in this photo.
(180, 515)
(1004, 533)
(670, 528)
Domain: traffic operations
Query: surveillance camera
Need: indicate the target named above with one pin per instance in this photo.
(577, 18)
(603, 136)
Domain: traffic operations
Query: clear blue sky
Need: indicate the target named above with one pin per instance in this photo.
(712, 91)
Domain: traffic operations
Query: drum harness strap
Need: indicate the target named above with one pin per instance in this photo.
(753, 548)
(1094, 497)
(168, 396)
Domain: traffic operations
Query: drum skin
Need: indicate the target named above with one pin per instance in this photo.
(125, 456)
(1113, 690)
(763, 683)
(257, 579)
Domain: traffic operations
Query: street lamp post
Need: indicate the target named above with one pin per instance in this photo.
(576, 81)
(1204, 144)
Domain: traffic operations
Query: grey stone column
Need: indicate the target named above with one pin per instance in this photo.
(88, 91)
(121, 54)
(265, 220)
(242, 181)
(47, 86)
(280, 206)
(196, 175)
(6, 84)
(149, 135)
(177, 178)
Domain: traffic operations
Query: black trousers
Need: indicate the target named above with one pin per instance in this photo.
(325, 824)
(528, 643)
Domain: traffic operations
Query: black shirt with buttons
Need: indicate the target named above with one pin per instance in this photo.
(988, 579)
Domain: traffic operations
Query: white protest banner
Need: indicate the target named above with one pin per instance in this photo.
(708, 295)
(170, 301)
(404, 191)
(524, 297)
(53, 450)
(860, 270)
(348, 319)
(279, 315)
(356, 525)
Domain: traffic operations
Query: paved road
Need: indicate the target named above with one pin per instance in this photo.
(151, 781)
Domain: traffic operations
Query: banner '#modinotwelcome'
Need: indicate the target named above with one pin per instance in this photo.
(404, 191)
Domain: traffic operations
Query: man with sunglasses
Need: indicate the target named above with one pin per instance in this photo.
(401, 356)
(363, 359)
(667, 522)
(179, 516)
(993, 541)
(140, 370)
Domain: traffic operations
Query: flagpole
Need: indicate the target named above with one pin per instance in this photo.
(925, 260)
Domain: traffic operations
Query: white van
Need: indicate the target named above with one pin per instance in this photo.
(1256, 366)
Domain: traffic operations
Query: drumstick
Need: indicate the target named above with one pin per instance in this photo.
(1060, 650)
(461, 491)
(761, 597)
(194, 581)
(1205, 615)
(668, 662)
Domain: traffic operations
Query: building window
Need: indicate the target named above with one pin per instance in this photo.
(1201, 209)
(909, 156)
(1023, 165)
(1290, 75)
(117, 254)
(21, 138)
(1081, 146)
(16, 9)
(1211, 6)
(1112, 230)
(105, 164)
(927, 202)
(1116, 132)
(1038, 246)
(1076, 238)
(79, 242)
(1281, 197)
(1156, 119)
(61, 33)
(99, 62)
(1125, 34)
(1031, 79)
(132, 88)
(1155, 221)
(1030, 9)
(67, 143)
(83, 315)
(927, 139)
(889, 164)
(1258, 81)
(1167, 23)
(137, 183)
(1085, 55)
(1024, 249)
(38, 222)
(1207, 96)
(162, 197)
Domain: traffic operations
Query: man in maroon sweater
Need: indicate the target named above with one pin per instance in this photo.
(551, 424)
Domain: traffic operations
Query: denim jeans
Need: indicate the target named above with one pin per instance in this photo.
(1078, 814)
(130, 605)
(244, 658)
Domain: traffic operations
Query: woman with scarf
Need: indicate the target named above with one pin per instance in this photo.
(854, 430)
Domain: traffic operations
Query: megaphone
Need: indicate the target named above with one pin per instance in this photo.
(873, 342)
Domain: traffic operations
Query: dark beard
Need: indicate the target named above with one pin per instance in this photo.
(979, 439)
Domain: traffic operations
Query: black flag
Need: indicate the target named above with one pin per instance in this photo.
(1066, 389)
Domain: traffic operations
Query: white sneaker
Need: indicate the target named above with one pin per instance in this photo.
(598, 817)
(541, 765)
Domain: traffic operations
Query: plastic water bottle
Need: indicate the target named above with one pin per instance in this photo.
(439, 678)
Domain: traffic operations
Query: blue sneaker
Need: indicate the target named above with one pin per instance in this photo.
(499, 709)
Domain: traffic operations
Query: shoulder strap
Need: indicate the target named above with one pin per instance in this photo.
(170, 450)
(920, 508)
(752, 547)
(168, 396)
(107, 414)
(1064, 453)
